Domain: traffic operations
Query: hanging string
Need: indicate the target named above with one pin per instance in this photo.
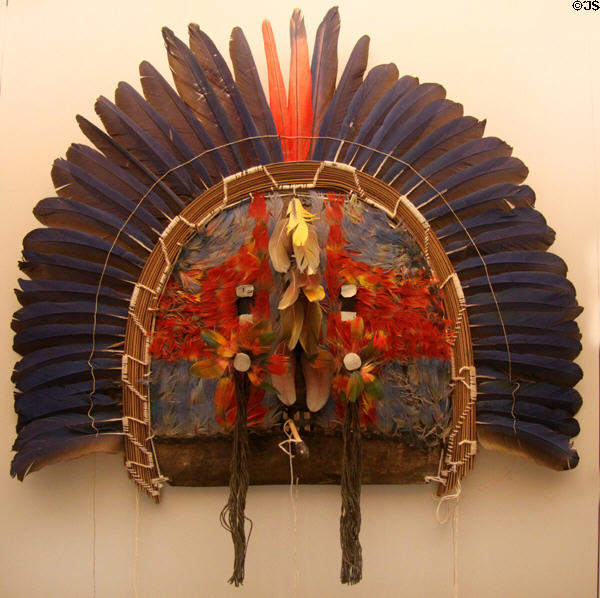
(350, 519)
(94, 529)
(288, 430)
(136, 546)
(233, 517)
(447, 508)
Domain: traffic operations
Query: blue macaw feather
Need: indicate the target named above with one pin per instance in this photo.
(159, 129)
(488, 221)
(377, 82)
(531, 367)
(69, 371)
(219, 240)
(374, 242)
(504, 236)
(168, 201)
(57, 266)
(74, 243)
(517, 279)
(528, 439)
(416, 400)
(58, 398)
(508, 261)
(145, 148)
(250, 87)
(500, 196)
(496, 386)
(64, 437)
(435, 144)
(350, 81)
(71, 423)
(471, 179)
(181, 404)
(32, 291)
(378, 114)
(405, 107)
(555, 419)
(120, 180)
(29, 407)
(532, 321)
(553, 345)
(42, 356)
(49, 312)
(74, 183)
(525, 298)
(232, 101)
(453, 161)
(166, 101)
(63, 212)
(410, 131)
(193, 86)
(323, 66)
(43, 335)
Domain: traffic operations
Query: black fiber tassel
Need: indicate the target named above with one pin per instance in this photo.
(233, 518)
(350, 519)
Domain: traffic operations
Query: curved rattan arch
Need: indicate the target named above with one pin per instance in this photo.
(140, 459)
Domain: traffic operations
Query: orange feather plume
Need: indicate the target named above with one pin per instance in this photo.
(300, 111)
(277, 100)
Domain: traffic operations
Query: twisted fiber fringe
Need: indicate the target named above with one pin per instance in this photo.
(350, 519)
(233, 518)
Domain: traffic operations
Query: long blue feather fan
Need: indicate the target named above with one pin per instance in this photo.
(114, 202)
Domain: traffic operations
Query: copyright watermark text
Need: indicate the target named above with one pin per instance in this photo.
(586, 5)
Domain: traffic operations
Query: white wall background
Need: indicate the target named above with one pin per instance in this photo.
(531, 69)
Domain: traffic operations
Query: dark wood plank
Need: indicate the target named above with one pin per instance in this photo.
(205, 462)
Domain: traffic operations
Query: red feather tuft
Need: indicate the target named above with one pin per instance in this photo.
(277, 101)
(300, 110)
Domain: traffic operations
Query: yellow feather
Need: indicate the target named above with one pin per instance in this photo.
(314, 292)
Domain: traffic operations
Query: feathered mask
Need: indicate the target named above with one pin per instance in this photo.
(353, 262)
